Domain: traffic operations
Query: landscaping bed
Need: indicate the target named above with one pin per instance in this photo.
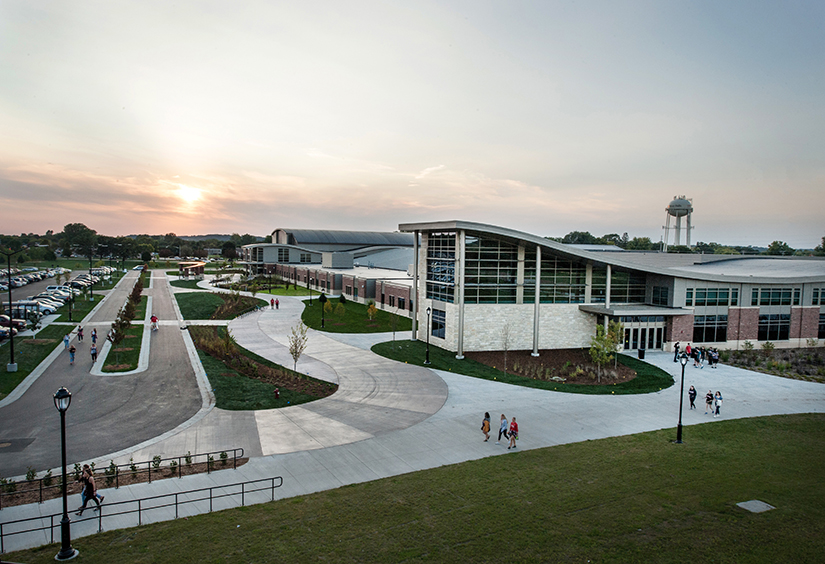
(573, 366)
(213, 305)
(797, 364)
(351, 317)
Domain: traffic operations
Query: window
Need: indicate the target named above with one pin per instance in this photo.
(355, 292)
(563, 281)
(815, 297)
(774, 327)
(775, 296)
(441, 266)
(822, 325)
(400, 303)
(627, 287)
(348, 290)
(700, 297)
(734, 296)
(439, 324)
(283, 255)
(710, 329)
(660, 295)
(392, 301)
(490, 271)
(689, 297)
(306, 257)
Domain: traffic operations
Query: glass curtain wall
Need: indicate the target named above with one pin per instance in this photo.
(490, 271)
(441, 267)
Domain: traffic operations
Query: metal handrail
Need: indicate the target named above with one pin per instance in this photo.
(54, 519)
(237, 453)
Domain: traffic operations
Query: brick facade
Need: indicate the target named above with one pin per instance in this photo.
(680, 328)
(743, 324)
(805, 322)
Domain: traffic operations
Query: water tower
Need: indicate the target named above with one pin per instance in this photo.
(680, 207)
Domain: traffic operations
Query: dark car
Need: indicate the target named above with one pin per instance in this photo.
(4, 332)
(19, 324)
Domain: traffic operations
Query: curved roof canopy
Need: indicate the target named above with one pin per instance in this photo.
(329, 237)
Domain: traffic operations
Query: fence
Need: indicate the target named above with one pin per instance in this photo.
(144, 505)
(111, 474)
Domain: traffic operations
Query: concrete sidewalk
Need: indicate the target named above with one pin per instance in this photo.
(389, 419)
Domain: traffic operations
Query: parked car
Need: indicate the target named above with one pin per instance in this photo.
(5, 332)
(19, 324)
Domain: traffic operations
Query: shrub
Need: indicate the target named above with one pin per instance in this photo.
(47, 478)
(8, 485)
(747, 346)
(224, 458)
(767, 347)
(188, 457)
(132, 466)
(110, 473)
(31, 473)
(77, 470)
(156, 461)
(173, 465)
(812, 342)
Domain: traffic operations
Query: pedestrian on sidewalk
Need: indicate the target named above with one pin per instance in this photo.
(718, 401)
(72, 350)
(676, 352)
(66, 341)
(89, 490)
(502, 430)
(93, 352)
(485, 426)
(513, 433)
(692, 396)
(272, 303)
(79, 334)
(277, 303)
(94, 336)
(709, 402)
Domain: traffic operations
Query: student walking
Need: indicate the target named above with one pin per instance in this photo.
(93, 352)
(94, 336)
(709, 402)
(66, 341)
(89, 490)
(272, 303)
(502, 430)
(277, 303)
(676, 352)
(72, 350)
(692, 396)
(79, 334)
(718, 401)
(485, 426)
(513, 434)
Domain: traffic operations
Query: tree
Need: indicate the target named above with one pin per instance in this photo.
(601, 349)
(640, 244)
(297, 343)
(580, 238)
(77, 235)
(228, 250)
(371, 310)
(820, 250)
(615, 331)
(779, 248)
(505, 342)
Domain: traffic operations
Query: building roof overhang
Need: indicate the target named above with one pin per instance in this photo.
(634, 310)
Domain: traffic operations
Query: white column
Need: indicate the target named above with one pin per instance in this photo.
(537, 304)
(588, 283)
(607, 289)
(415, 287)
(459, 274)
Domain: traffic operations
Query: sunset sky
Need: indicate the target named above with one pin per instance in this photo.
(546, 116)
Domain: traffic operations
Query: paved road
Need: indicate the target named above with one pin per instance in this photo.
(108, 412)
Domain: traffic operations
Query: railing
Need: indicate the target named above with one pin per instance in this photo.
(112, 475)
(105, 510)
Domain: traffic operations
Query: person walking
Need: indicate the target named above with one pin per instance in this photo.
(72, 350)
(94, 336)
(272, 303)
(709, 402)
(676, 352)
(154, 320)
(485, 426)
(89, 490)
(277, 303)
(502, 430)
(513, 434)
(93, 352)
(718, 402)
(79, 334)
(692, 396)
(66, 341)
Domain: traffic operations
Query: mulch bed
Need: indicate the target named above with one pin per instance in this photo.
(560, 363)
(124, 479)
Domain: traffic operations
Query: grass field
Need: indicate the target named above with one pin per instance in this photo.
(638, 498)
(198, 305)
(28, 353)
(353, 320)
(650, 378)
(126, 360)
(189, 284)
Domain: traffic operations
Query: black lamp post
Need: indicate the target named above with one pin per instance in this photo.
(683, 361)
(429, 330)
(92, 285)
(11, 366)
(322, 299)
(62, 400)
(309, 279)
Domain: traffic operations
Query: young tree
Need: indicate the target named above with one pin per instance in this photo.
(601, 349)
(615, 331)
(505, 342)
(297, 343)
(372, 311)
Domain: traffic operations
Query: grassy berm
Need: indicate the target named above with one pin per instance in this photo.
(636, 498)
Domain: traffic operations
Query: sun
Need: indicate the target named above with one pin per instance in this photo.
(188, 194)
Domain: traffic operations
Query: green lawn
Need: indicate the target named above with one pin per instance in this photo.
(637, 498)
(189, 284)
(130, 358)
(237, 392)
(198, 305)
(354, 319)
(650, 378)
(28, 353)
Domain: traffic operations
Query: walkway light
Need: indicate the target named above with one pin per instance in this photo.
(429, 330)
(62, 400)
(683, 361)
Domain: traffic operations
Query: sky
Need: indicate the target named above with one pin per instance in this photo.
(546, 117)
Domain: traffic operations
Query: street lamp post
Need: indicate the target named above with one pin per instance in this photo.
(11, 366)
(92, 285)
(309, 280)
(429, 330)
(683, 361)
(322, 299)
(62, 400)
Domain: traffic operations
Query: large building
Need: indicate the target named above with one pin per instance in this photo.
(475, 283)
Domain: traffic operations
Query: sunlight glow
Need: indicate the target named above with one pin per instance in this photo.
(188, 194)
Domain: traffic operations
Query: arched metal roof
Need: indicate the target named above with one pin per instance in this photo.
(329, 237)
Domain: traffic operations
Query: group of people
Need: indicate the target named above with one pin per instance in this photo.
(713, 402)
(274, 303)
(73, 351)
(509, 430)
(700, 355)
(89, 491)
